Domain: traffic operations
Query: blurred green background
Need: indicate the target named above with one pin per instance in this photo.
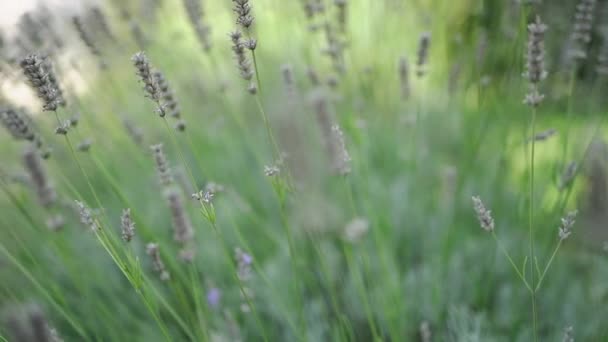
(391, 251)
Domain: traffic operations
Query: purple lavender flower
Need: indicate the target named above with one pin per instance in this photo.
(214, 295)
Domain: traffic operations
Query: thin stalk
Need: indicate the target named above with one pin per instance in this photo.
(43, 291)
(542, 276)
(515, 268)
(531, 226)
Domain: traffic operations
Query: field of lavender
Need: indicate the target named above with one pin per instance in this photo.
(314, 170)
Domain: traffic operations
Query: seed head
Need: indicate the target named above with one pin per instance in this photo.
(424, 44)
(36, 70)
(168, 100)
(40, 181)
(101, 22)
(565, 228)
(483, 215)
(535, 58)
(86, 216)
(243, 64)
(17, 124)
(85, 145)
(127, 225)
(182, 227)
(404, 77)
(583, 23)
(271, 171)
(152, 249)
(242, 8)
(151, 87)
(88, 40)
(162, 166)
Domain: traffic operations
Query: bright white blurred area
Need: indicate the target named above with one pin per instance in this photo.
(11, 10)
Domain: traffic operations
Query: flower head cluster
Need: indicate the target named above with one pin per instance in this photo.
(483, 214)
(86, 216)
(242, 8)
(535, 61)
(565, 228)
(152, 249)
(41, 78)
(583, 23)
(127, 225)
(169, 102)
(39, 179)
(162, 165)
(151, 87)
(424, 44)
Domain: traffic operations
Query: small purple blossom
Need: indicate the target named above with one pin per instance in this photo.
(214, 295)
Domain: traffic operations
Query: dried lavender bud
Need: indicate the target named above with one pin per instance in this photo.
(251, 44)
(127, 225)
(238, 47)
(252, 89)
(483, 214)
(404, 77)
(204, 196)
(63, 129)
(356, 229)
(40, 181)
(423, 53)
(37, 73)
(162, 166)
(135, 132)
(169, 102)
(565, 229)
(158, 266)
(271, 171)
(544, 135)
(151, 87)
(182, 227)
(85, 145)
(88, 40)
(535, 66)
(74, 120)
(55, 223)
(180, 125)
(17, 124)
(342, 15)
(99, 18)
(242, 8)
(48, 65)
(86, 217)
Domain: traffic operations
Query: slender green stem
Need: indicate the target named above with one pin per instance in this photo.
(44, 292)
(531, 226)
(515, 268)
(542, 276)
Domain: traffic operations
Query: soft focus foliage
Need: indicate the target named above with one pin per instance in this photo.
(308, 181)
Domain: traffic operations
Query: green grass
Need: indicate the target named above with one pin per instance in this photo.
(415, 166)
